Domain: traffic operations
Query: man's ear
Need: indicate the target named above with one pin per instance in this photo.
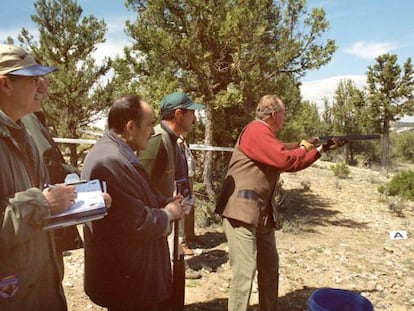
(129, 126)
(4, 85)
(178, 113)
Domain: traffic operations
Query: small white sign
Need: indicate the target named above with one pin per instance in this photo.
(398, 235)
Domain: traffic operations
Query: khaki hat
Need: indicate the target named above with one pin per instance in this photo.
(177, 100)
(14, 60)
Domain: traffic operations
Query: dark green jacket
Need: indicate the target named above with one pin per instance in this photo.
(158, 159)
(65, 238)
(48, 149)
(30, 270)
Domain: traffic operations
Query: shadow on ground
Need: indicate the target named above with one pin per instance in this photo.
(208, 240)
(293, 301)
(305, 210)
(210, 259)
(213, 305)
(296, 300)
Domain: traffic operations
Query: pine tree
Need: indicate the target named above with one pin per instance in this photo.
(226, 54)
(348, 113)
(391, 90)
(67, 41)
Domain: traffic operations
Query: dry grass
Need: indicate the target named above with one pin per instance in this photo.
(336, 234)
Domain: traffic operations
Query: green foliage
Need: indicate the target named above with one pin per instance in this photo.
(390, 88)
(9, 40)
(347, 111)
(303, 124)
(382, 189)
(67, 41)
(226, 54)
(390, 96)
(341, 170)
(204, 214)
(402, 185)
(347, 116)
(403, 146)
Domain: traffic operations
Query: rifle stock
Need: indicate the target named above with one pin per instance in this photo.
(348, 138)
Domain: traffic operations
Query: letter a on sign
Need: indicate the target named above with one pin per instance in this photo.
(398, 235)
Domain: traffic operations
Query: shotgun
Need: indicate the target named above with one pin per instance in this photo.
(321, 140)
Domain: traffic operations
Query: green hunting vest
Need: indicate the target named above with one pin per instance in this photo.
(161, 180)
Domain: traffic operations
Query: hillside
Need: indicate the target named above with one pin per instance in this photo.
(336, 234)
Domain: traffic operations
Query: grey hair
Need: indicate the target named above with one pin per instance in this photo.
(267, 105)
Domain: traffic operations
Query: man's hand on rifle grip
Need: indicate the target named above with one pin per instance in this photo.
(306, 144)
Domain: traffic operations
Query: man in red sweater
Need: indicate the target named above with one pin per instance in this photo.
(247, 202)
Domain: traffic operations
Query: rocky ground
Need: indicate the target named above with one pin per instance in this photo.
(336, 234)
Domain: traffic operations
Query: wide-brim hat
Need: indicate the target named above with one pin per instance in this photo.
(14, 60)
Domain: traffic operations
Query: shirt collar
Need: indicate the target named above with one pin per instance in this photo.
(170, 132)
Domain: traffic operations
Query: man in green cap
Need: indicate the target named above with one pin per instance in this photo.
(163, 158)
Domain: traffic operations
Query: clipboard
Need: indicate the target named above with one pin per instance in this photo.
(88, 206)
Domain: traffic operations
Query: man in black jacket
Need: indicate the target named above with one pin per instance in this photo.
(127, 261)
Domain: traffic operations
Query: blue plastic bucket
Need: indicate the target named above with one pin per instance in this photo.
(332, 299)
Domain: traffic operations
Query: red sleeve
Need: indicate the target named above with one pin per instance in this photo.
(259, 143)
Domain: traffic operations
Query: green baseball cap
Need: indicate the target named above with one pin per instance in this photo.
(177, 100)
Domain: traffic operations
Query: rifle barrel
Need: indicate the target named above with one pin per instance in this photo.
(349, 138)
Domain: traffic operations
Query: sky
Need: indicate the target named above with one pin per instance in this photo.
(362, 30)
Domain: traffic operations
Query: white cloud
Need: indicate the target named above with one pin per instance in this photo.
(116, 38)
(315, 91)
(110, 48)
(370, 50)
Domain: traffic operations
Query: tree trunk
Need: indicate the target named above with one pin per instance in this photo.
(346, 154)
(73, 155)
(385, 160)
(208, 156)
(351, 155)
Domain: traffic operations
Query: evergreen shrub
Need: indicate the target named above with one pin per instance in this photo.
(402, 184)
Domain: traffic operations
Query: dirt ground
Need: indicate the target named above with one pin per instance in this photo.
(336, 234)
